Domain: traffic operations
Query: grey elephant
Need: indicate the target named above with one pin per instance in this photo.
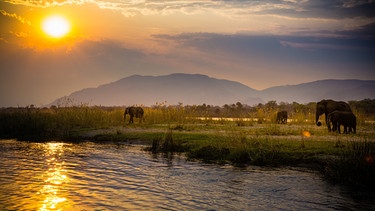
(134, 112)
(328, 106)
(282, 117)
(347, 119)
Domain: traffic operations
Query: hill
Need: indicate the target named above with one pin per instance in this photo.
(189, 89)
(195, 89)
(344, 90)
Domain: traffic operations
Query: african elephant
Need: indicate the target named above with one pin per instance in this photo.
(347, 119)
(134, 112)
(328, 106)
(282, 117)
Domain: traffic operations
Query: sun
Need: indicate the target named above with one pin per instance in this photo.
(56, 26)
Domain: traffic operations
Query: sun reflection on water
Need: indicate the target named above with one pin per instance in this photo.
(54, 178)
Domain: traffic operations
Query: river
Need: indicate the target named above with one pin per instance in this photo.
(118, 176)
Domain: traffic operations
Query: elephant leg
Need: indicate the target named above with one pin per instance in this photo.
(131, 119)
(351, 129)
(328, 124)
(348, 129)
(334, 126)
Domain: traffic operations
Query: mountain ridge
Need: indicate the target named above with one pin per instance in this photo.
(338, 89)
(195, 89)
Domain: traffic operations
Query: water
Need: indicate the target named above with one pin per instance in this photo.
(92, 176)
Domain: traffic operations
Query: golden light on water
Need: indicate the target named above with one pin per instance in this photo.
(54, 178)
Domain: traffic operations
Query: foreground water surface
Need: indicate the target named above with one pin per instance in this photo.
(117, 176)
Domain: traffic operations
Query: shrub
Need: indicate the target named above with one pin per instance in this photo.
(167, 144)
(355, 165)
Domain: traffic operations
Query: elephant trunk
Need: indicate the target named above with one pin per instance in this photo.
(126, 112)
(317, 119)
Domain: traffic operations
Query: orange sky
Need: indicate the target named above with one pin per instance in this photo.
(257, 43)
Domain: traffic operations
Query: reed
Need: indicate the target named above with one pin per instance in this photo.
(238, 147)
(355, 165)
(202, 136)
(35, 123)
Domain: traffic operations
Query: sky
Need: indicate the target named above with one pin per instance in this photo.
(261, 44)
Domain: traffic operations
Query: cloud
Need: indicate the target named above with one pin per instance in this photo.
(15, 16)
(45, 3)
(258, 43)
(318, 46)
(257, 57)
(243, 44)
(38, 77)
(297, 8)
(28, 76)
(268, 16)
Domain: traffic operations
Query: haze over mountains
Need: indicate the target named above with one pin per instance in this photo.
(195, 89)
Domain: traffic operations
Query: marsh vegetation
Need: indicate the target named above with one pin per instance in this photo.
(236, 134)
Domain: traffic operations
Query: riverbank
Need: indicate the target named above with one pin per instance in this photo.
(97, 176)
(341, 158)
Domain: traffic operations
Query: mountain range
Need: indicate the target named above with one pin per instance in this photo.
(196, 89)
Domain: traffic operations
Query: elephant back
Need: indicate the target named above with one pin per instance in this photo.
(139, 112)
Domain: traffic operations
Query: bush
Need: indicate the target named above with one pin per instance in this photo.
(167, 144)
(355, 165)
(210, 154)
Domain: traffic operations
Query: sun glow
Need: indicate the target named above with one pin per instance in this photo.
(54, 179)
(56, 26)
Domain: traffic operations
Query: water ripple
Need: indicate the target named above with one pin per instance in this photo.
(88, 176)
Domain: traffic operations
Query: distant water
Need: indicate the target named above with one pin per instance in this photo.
(92, 176)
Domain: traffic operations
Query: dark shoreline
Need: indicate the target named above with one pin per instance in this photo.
(342, 168)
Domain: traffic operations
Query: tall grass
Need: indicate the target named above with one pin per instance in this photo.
(55, 122)
(194, 131)
(355, 165)
(163, 114)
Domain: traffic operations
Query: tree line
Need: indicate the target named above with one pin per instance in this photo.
(364, 108)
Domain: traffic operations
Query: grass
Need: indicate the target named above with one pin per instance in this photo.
(345, 159)
(354, 166)
(32, 123)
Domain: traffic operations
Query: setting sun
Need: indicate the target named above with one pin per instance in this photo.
(56, 26)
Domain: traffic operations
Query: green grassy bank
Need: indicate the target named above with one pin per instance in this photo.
(342, 158)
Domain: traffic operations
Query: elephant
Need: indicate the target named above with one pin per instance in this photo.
(347, 119)
(328, 106)
(282, 117)
(134, 112)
